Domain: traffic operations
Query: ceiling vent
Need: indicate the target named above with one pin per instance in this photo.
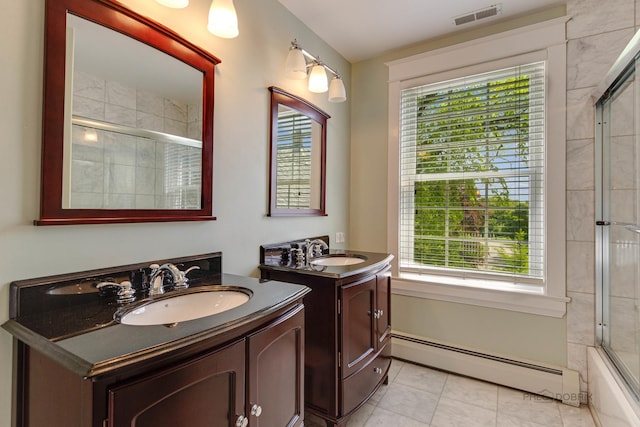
(488, 12)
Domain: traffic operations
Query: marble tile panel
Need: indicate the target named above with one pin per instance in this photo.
(623, 274)
(410, 402)
(194, 130)
(589, 58)
(421, 378)
(580, 114)
(577, 360)
(519, 404)
(623, 206)
(88, 108)
(145, 180)
(119, 149)
(145, 201)
(580, 164)
(120, 179)
(88, 86)
(453, 413)
(86, 200)
(87, 151)
(581, 267)
(175, 127)
(581, 215)
(590, 17)
(149, 121)
(149, 103)
(576, 417)
(175, 110)
(623, 162)
(145, 152)
(622, 121)
(121, 95)
(471, 391)
(194, 113)
(622, 324)
(385, 418)
(86, 177)
(581, 319)
(120, 115)
(119, 201)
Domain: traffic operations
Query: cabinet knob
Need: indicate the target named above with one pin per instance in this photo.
(256, 410)
(242, 421)
(377, 370)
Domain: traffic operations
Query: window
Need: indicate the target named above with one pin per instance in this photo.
(293, 175)
(472, 171)
(476, 189)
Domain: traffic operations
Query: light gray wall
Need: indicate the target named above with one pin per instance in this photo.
(250, 63)
(597, 32)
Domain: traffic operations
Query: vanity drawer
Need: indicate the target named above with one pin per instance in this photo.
(360, 386)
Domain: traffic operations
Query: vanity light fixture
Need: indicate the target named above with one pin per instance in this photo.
(296, 67)
(175, 4)
(223, 20)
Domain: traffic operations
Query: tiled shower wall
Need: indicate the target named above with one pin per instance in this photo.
(597, 32)
(123, 171)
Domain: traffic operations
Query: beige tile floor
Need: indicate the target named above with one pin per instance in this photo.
(421, 397)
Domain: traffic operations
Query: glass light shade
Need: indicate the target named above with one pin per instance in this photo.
(337, 92)
(318, 79)
(296, 65)
(223, 21)
(176, 4)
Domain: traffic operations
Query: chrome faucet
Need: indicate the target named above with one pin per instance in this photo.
(315, 248)
(178, 277)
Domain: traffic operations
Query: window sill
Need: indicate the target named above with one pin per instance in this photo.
(515, 297)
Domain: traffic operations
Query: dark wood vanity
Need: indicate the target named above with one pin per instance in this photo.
(348, 326)
(242, 367)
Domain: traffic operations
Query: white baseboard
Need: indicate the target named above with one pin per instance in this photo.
(538, 379)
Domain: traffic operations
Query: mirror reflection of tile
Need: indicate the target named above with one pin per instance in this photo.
(115, 170)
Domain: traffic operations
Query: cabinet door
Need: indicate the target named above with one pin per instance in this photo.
(383, 304)
(358, 302)
(208, 391)
(276, 373)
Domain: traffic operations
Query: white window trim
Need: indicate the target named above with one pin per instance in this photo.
(542, 41)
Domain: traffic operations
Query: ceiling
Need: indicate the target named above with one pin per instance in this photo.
(362, 29)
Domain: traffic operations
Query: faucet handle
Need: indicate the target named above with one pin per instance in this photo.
(182, 280)
(125, 293)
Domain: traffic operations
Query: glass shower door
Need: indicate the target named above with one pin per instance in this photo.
(619, 227)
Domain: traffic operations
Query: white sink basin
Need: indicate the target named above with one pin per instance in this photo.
(183, 307)
(337, 261)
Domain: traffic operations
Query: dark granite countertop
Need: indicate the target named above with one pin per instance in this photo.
(372, 262)
(83, 337)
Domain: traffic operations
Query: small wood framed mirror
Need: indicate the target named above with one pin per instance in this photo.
(298, 146)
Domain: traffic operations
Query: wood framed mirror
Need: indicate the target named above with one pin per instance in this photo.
(127, 119)
(298, 147)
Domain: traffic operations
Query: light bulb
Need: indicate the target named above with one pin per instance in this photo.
(296, 65)
(90, 135)
(223, 20)
(337, 92)
(318, 79)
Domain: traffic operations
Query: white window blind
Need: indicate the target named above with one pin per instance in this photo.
(182, 176)
(293, 176)
(472, 175)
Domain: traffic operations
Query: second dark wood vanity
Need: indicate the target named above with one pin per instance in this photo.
(348, 325)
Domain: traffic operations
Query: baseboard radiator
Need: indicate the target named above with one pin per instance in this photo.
(537, 380)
